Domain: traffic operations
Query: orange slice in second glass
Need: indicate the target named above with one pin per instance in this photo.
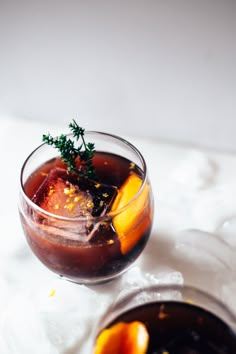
(123, 338)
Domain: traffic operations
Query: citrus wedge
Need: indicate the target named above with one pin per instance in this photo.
(131, 223)
(123, 338)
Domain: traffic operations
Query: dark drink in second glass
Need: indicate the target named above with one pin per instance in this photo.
(168, 327)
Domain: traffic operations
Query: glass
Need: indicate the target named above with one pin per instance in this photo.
(178, 319)
(90, 248)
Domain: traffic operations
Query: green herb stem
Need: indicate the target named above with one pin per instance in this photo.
(69, 153)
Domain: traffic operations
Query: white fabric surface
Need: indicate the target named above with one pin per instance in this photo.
(192, 241)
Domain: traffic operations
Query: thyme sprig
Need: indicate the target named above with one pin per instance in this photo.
(70, 153)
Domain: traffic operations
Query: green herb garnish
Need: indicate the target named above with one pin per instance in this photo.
(69, 152)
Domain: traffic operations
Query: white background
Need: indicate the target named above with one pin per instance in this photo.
(163, 69)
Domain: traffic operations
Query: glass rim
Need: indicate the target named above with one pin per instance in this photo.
(109, 214)
(120, 305)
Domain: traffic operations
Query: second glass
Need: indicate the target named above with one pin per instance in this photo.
(166, 319)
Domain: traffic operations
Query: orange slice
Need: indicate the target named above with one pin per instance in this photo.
(123, 338)
(129, 224)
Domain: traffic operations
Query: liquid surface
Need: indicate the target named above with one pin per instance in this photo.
(178, 328)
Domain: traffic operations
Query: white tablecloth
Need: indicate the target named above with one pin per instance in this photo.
(194, 225)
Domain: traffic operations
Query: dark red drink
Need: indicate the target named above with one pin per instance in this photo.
(88, 247)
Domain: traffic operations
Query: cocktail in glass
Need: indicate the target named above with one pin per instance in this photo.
(87, 231)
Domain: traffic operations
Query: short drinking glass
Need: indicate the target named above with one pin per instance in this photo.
(92, 230)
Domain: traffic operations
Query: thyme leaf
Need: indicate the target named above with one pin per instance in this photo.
(70, 153)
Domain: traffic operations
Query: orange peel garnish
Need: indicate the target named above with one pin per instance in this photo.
(131, 223)
(123, 338)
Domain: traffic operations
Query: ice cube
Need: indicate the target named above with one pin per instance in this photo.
(68, 195)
